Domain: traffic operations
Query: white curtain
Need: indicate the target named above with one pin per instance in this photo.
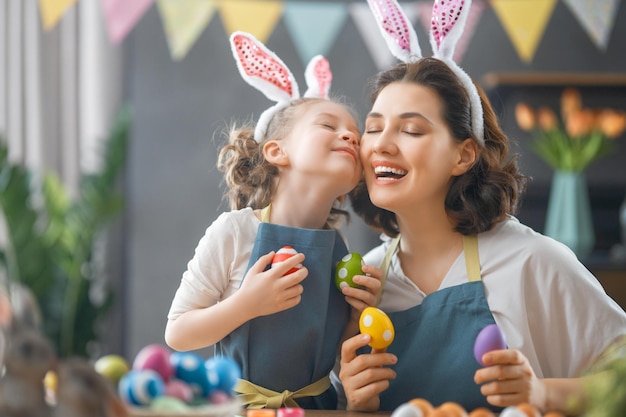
(59, 93)
(59, 89)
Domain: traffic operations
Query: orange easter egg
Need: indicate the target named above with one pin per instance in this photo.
(482, 412)
(554, 414)
(452, 409)
(424, 405)
(529, 409)
(282, 255)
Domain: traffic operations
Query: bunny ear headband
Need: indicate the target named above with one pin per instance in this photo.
(263, 70)
(447, 23)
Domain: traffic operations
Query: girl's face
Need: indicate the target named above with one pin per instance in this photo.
(323, 144)
(408, 153)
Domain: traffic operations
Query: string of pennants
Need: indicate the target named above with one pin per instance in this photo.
(314, 25)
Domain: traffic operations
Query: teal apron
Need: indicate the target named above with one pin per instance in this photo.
(288, 356)
(434, 341)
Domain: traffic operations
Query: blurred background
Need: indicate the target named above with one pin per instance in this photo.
(68, 67)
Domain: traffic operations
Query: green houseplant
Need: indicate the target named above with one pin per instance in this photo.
(50, 240)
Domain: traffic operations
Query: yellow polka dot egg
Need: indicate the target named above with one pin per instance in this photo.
(377, 324)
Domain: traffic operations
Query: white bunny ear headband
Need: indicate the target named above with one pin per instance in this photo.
(263, 70)
(447, 23)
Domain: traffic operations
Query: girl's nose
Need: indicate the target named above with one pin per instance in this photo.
(351, 137)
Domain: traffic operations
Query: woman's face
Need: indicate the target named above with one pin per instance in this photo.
(407, 151)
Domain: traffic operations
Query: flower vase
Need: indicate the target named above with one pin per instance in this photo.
(569, 213)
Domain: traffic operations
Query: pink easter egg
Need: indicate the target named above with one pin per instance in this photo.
(488, 339)
(155, 357)
(283, 254)
(179, 389)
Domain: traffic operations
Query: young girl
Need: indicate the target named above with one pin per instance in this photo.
(287, 177)
(444, 189)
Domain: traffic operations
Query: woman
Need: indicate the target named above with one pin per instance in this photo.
(454, 260)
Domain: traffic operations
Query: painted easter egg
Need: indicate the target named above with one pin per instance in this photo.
(112, 367)
(155, 357)
(169, 404)
(407, 410)
(222, 373)
(349, 266)
(377, 324)
(290, 412)
(189, 367)
(424, 405)
(488, 339)
(140, 387)
(512, 411)
(175, 388)
(283, 254)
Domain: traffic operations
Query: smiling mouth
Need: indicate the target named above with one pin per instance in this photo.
(389, 173)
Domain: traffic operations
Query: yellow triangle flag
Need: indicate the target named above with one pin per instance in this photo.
(52, 11)
(184, 21)
(256, 17)
(525, 22)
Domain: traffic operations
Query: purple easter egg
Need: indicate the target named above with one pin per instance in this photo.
(488, 339)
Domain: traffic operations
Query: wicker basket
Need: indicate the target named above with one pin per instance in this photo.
(228, 409)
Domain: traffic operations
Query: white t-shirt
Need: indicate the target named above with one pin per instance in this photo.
(548, 305)
(220, 261)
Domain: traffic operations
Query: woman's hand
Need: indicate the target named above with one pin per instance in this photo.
(507, 379)
(367, 295)
(364, 376)
(268, 292)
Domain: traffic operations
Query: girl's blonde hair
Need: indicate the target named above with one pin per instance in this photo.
(250, 178)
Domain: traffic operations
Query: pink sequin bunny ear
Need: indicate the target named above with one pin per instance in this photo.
(318, 77)
(262, 69)
(447, 24)
(396, 29)
(446, 27)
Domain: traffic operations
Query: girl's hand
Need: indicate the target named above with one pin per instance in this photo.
(364, 376)
(267, 292)
(367, 295)
(507, 379)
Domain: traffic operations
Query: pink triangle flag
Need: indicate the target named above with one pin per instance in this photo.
(596, 17)
(122, 15)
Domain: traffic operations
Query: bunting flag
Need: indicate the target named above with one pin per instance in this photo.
(122, 15)
(255, 17)
(314, 26)
(52, 10)
(525, 22)
(596, 17)
(366, 25)
(184, 21)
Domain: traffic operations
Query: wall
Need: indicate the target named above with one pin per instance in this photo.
(173, 188)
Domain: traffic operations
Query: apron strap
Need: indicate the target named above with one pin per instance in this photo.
(384, 265)
(265, 213)
(255, 396)
(472, 260)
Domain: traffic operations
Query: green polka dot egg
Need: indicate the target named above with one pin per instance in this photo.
(349, 266)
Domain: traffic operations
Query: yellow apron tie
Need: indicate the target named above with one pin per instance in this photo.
(255, 396)
(472, 261)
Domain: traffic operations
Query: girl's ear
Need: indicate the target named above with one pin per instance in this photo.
(275, 154)
(468, 153)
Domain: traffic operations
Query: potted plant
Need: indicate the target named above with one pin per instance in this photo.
(50, 240)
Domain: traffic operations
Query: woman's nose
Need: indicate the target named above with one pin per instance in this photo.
(383, 143)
